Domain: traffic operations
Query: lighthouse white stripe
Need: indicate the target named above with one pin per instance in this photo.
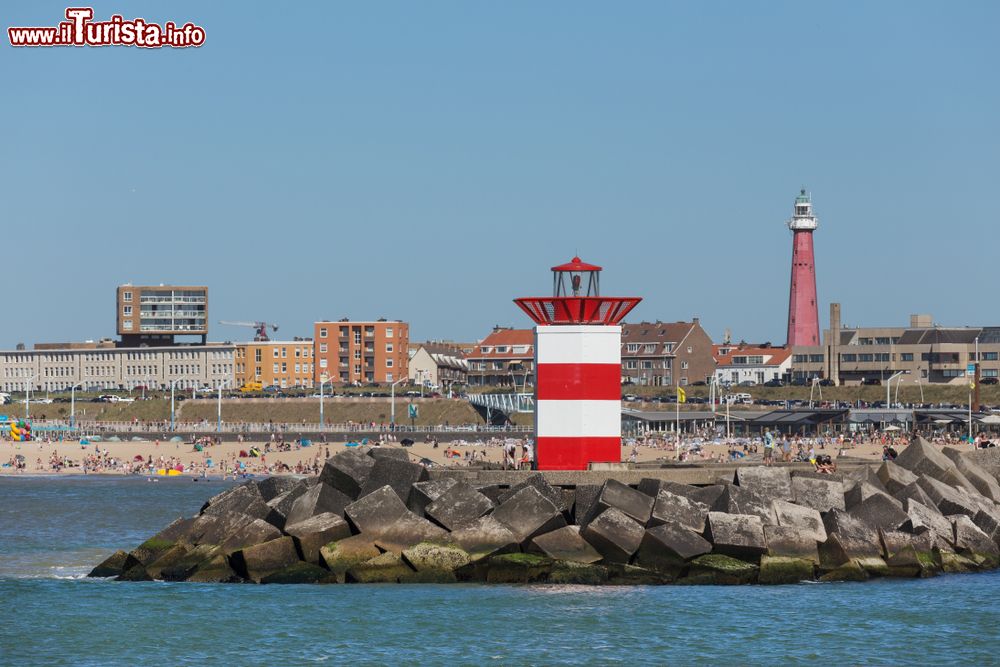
(574, 419)
(578, 344)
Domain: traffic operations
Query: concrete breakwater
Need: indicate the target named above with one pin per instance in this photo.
(373, 516)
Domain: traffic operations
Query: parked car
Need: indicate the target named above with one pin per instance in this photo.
(871, 382)
(774, 383)
(989, 381)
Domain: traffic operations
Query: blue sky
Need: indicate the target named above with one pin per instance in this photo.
(429, 161)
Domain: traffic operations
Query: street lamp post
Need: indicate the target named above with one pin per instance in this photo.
(222, 384)
(173, 385)
(392, 395)
(27, 396)
(72, 405)
(323, 379)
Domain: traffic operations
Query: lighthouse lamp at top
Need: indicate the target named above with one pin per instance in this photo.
(803, 218)
(576, 298)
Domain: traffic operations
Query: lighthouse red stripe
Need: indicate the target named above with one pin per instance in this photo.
(576, 453)
(579, 382)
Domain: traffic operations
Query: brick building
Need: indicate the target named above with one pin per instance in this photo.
(361, 353)
(504, 358)
(662, 354)
(285, 364)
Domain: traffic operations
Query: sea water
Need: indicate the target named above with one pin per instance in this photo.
(53, 530)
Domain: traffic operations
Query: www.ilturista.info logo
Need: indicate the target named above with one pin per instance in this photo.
(80, 30)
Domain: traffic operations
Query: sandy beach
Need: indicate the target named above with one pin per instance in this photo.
(228, 457)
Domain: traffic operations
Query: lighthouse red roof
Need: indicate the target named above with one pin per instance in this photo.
(576, 264)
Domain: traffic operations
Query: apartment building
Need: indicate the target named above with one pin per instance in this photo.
(666, 353)
(155, 314)
(438, 365)
(93, 367)
(506, 357)
(923, 352)
(740, 363)
(352, 352)
(285, 364)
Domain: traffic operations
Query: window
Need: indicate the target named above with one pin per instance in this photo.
(631, 364)
(322, 332)
(284, 353)
(881, 356)
(127, 311)
(388, 377)
(633, 347)
(650, 348)
(689, 349)
(990, 372)
(799, 358)
(298, 353)
(906, 356)
(848, 358)
(284, 366)
(127, 296)
(684, 365)
(275, 351)
(988, 356)
(816, 358)
(322, 363)
(502, 349)
(297, 368)
(256, 356)
(388, 348)
(646, 364)
(127, 325)
(388, 363)
(866, 357)
(388, 332)
(487, 349)
(322, 348)
(357, 335)
(275, 369)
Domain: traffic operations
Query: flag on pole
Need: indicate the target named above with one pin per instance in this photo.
(681, 396)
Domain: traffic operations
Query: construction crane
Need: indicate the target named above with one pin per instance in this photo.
(261, 327)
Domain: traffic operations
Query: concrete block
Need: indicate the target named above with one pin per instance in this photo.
(973, 543)
(110, 566)
(791, 542)
(436, 558)
(632, 503)
(484, 537)
(861, 491)
(720, 569)
(785, 570)
(848, 538)
(821, 495)
(739, 535)
(386, 568)
(667, 546)
(260, 560)
(913, 491)
(863, 473)
(458, 505)
(408, 531)
(282, 504)
(584, 503)
(341, 556)
(740, 500)
(895, 477)
(389, 452)
(423, 494)
(880, 511)
(376, 511)
(255, 531)
(614, 534)
(770, 483)
(984, 482)
(318, 499)
(300, 573)
(316, 532)
(922, 458)
(272, 487)
(948, 500)
(806, 519)
(400, 475)
(927, 519)
(540, 484)
(566, 544)
(672, 508)
(347, 472)
(528, 513)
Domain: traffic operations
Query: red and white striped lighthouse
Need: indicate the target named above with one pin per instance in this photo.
(803, 312)
(577, 369)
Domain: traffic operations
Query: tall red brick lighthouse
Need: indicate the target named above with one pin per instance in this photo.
(803, 313)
